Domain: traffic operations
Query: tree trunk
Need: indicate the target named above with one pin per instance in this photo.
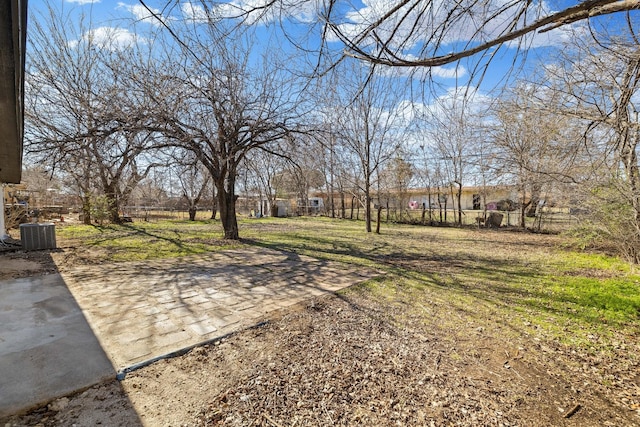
(332, 205)
(378, 221)
(522, 188)
(446, 206)
(227, 206)
(332, 202)
(353, 201)
(523, 211)
(367, 206)
(533, 201)
(192, 213)
(86, 209)
(387, 210)
(112, 205)
(459, 197)
(214, 204)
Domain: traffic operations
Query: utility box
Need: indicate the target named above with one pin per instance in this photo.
(38, 236)
(494, 220)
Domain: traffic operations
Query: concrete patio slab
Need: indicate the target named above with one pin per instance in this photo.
(63, 333)
(47, 348)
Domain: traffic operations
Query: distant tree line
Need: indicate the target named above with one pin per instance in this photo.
(199, 106)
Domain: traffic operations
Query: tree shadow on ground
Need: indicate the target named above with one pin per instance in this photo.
(503, 283)
(49, 349)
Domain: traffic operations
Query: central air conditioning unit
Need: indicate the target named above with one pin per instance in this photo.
(38, 236)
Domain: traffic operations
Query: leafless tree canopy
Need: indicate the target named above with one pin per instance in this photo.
(423, 33)
(209, 84)
(412, 33)
(75, 112)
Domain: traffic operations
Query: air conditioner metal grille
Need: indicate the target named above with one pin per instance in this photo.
(38, 236)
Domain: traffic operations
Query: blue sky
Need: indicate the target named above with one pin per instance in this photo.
(116, 18)
(122, 18)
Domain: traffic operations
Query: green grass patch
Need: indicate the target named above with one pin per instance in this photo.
(535, 284)
(569, 260)
(614, 300)
(144, 241)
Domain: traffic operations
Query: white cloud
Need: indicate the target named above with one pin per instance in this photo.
(194, 12)
(419, 25)
(424, 73)
(253, 11)
(466, 101)
(111, 38)
(449, 72)
(141, 13)
(81, 2)
(266, 11)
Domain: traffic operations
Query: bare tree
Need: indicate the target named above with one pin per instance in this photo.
(451, 126)
(483, 164)
(369, 126)
(596, 83)
(76, 123)
(535, 147)
(522, 153)
(393, 184)
(194, 181)
(340, 173)
(263, 168)
(425, 33)
(152, 192)
(329, 148)
(418, 33)
(212, 96)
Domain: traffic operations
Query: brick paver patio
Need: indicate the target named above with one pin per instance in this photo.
(140, 311)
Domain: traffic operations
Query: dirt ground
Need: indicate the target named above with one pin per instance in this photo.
(351, 360)
(18, 264)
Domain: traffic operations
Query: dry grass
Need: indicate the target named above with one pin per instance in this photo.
(465, 327)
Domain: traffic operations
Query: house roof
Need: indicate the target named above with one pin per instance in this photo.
(13, 35)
